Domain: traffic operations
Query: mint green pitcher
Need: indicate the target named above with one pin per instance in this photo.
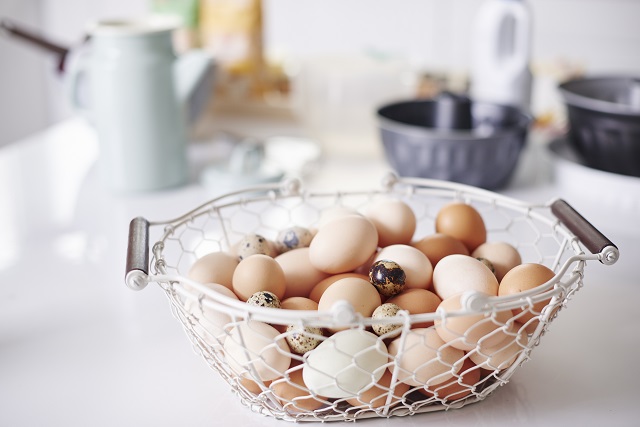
(137, 91)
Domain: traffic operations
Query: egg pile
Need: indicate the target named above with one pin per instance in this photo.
(373, 260)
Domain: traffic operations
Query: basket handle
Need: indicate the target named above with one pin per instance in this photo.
(591, 237)
(137, 271)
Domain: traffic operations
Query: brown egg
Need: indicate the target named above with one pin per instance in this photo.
(522, 278)
(361, 294)
(502, 256)
(295, 303)
(293, 394)
(463, 222)
(343, 244)
(458, 387)
(394, 220)
(378, 395)
(464, 332)
(455, 274)
(258, 273)
(300, 275)
(417, 301)
(298, 303)
(437, 246)
(215, 267)
(252, 386)
(322, 286)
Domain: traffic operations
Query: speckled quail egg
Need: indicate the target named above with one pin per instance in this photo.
(293, 238)
(252, 244)
(264, 299)
(384, 311)
(388, 277)
(488, 263)
(303, 340)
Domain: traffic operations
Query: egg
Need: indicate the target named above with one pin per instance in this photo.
(303, 340)
(293, 238)
(254, 347)
(378, 395)
(211, 325)
(502, 255)
(252, 244)
(394, 220)
(455, 274)
(322, 286)
(387, 277)
(358, 292)
(463, 222)
(500, 356)
(458, 387)
(215, 267)
(264, 299)
(258, 273)
(252, 386)
(333, 212)
(415, 264)
(298, 303)
(343, 244)
(295, 303)
(300, 275)
(417, 301)
(437, 246)
(424, 358)
(464, 332)
(386, 311)
(345, 364)
(524, 277)
(293, 394)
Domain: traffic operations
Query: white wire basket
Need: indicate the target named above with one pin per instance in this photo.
(232, 337)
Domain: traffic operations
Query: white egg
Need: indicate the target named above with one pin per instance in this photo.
(345, 364)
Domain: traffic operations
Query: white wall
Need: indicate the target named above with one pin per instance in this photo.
(602, 35)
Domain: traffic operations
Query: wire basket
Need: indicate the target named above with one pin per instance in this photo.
(247, 344)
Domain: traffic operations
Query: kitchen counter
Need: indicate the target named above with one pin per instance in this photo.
(78, 348)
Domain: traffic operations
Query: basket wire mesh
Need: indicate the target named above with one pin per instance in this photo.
(215, 324)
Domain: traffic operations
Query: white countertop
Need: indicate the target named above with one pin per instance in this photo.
(78, 348)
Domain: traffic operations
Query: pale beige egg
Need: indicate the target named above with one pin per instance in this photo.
(502, 255)
(455, 274)
(423, 358)
(322, 286)
(300, 275)
(417, 267)
(464, 332)
(255, 347)
(394, 220)
(500, 356)
(215, 267)
(343, 244)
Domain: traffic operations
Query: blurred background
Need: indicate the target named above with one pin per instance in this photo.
(429, 38)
